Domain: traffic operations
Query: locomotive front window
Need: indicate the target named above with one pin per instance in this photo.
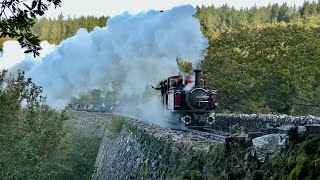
(173, 83)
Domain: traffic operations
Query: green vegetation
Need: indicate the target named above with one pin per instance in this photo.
(115, 126)
(223, 18)
(29, 134)
(17, 18)
(303, 161)
(184, 67)
(299, 161)
(263, 60)
(56, 30)
(38, 142)
(76, 154)
(275, 69)
(96, 97)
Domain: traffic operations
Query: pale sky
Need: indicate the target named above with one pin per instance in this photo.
(114, 7)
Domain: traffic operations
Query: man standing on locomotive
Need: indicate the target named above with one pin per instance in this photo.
(163, 87)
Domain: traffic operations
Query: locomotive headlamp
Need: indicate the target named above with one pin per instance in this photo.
(210, 120)
(186, 119)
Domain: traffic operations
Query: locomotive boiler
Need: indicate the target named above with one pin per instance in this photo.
(188, 98)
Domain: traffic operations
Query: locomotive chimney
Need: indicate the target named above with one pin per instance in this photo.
(198, 83)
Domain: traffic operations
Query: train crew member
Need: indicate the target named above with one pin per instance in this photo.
(164, 88)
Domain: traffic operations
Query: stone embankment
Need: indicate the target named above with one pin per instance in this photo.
(135, 150)
(234, 123)
(269, 134)
(92, 124)
(143, 151)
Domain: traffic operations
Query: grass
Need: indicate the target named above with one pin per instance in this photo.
(115, 125)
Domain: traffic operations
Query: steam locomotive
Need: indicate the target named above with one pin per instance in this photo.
(188, 98)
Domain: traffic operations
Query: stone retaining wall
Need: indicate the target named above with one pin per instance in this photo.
(234, 123)
(143, 151)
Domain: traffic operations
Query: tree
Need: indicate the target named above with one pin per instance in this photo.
(274, 13)
(275, 69)
(184, 66)
(17, 18)
(284, 13)
(254, 17)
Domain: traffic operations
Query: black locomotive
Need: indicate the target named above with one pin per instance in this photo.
(188, 98)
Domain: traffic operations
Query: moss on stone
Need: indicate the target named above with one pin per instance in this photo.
(298, 161)
(114, 126)
(180, 161)
(144, 173)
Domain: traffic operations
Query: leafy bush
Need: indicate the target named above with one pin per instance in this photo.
(38, 142)
(30, 133)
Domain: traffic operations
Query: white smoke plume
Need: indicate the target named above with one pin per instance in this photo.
(14, 58)
(133, 50)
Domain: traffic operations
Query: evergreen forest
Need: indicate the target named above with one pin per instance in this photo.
(57, 29)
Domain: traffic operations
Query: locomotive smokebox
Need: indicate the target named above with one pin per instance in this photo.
(198, 83)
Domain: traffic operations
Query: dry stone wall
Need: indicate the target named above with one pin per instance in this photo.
(234, 123)
(143, 151)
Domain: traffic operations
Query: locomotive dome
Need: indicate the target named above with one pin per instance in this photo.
(189, 79)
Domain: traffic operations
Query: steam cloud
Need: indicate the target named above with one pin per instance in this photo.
(133, 50)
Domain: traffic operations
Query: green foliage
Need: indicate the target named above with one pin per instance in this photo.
(37, 142)
(115, 125)
(29, 134)
(301, 161)
(96, 97)
(274, 69)
(217, 19)
(16, 22)
(56, 30)
(76, 153)
(184, 67)
(196, 175)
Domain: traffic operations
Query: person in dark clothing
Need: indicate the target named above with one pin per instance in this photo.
(164, 89)
(158, 87)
